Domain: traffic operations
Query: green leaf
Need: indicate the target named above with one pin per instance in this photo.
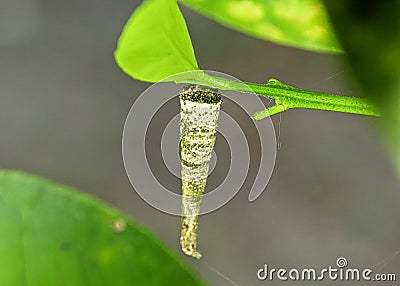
(155, 42)
(370, 33)
(53, 235)
(299, 23)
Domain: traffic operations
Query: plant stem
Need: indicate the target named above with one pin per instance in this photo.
(287, 97)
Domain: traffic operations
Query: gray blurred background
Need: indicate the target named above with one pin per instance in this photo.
(63, 103)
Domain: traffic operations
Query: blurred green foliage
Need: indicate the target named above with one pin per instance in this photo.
(298, 23)
(369, 31)
(53, 235)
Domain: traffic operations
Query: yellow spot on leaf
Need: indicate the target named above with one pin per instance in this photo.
(246, 10)
(297, 12)
(119, 225)
(269, 30)
(315, 32)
